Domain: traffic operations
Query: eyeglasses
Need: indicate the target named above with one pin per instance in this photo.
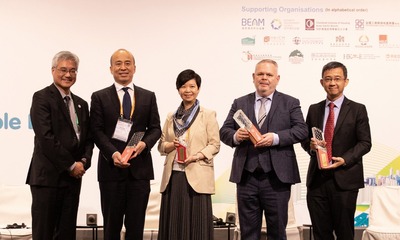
(64, 71)
(336, 79)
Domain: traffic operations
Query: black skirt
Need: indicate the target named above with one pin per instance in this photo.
(185, 214)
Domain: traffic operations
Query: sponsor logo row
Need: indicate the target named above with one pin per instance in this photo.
(311, 24)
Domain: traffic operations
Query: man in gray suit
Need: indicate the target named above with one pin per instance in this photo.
(264, 171)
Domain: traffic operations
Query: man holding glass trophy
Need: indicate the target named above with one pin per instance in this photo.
(262, 126)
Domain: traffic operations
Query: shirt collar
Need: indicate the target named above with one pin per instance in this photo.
(269, 96)
(118, 86)
(338, 102)
(62, 92)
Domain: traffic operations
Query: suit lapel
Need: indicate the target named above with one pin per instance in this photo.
(78, 108)
(113, 97)
(342, 114)
(136, 95)
(249, 111)
(274, 105)
(195, 125)
(60, 102)
(321, 114)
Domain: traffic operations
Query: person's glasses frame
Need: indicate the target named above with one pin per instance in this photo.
(64, 71)
(335, 79)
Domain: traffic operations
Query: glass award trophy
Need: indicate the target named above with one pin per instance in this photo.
(181, 150)
(322, 154)
(244, 122)
(130, 147)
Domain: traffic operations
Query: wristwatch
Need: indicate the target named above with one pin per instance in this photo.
(83, 160)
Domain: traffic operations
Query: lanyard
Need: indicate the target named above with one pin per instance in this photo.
(121, 111)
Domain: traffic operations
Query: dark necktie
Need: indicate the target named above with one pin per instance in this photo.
(127, 103)
(329, 128)
(67, 99)
(72, 114)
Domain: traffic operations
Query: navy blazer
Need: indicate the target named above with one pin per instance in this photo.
(104, 114)
(285, 119)
(351, 140)
(56, 144)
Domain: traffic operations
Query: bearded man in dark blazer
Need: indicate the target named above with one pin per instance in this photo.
(332, 190)
(62, 152)
(124, 186)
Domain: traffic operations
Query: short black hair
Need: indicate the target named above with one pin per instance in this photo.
(332, 65)
(187, 75)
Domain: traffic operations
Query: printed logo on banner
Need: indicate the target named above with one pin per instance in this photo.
(359, 24)
(382, 24)
(253, 23)
(248, 41)
(392, 57)
(340, 41)
(326, 57)
(360, 56)
(310, 24)
(276, 24)
(296, 40)
(383, 39)
(385, 43)
(308, 41)
(291, 24)
(296, 57)
(257, 56)
(274, 40)
(363, 41)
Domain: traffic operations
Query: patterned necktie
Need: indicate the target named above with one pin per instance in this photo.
(127, 103)
(329, 128)
(262, 112)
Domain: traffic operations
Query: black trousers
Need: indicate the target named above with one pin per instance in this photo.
(124, 202)
(331, 210)
(260, 192)
(54, 212)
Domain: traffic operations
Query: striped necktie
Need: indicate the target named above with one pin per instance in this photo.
(262, 112)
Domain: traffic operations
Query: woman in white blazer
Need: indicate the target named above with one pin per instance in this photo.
(188, 177)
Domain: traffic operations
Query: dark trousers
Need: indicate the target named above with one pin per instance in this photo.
(124, 202)
(54, 212)
(262, 192)
(331, 210)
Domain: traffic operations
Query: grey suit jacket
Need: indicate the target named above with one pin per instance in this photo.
(204, 138)
(351, 140)
(285, 119)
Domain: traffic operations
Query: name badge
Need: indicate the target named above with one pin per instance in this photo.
(122, 130)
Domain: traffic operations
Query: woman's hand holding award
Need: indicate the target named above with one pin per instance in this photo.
(244, 122)
(181, 150)
(322, 154)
